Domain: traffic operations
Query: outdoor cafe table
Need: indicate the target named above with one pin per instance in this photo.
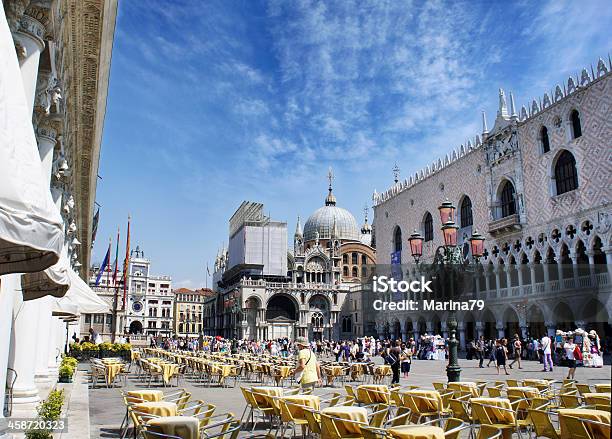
(157, 408)
(373, 393)
(147, 395)
(592, 415)
(357, 414)
(294, 401)
(416, 432)
(465, 386)
(111, 371)
(602, 387)
(185, 427)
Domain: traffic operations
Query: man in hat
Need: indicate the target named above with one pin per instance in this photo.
(308, 371)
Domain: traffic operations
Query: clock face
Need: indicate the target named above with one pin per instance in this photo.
(137, 306)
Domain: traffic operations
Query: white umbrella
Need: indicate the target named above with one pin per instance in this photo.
(81, 295)
(31, 235)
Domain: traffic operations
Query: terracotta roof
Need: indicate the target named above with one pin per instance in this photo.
(182, 290)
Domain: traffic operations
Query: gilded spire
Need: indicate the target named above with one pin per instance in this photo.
(330, 200)
(298, 227)
(366, 228)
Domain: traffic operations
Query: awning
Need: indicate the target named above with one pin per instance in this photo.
(31, 235)
(53, 281)
(81, 295)
(64, 310)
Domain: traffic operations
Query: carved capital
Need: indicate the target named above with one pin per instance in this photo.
(33, 28)
(14, 10)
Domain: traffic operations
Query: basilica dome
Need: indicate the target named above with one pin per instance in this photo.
(322, 221)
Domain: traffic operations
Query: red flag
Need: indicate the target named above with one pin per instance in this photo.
(126, 264)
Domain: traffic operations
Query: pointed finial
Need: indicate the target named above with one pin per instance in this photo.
(396, 171)
(512, 107)
(331, 198)
(366, 209)
(298, 227)
(485, 130)
(503, 109)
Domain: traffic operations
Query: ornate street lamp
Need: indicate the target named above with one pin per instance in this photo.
(447, 212)
(449, 266)
(449, 231)
(477, 245)
(416, 245)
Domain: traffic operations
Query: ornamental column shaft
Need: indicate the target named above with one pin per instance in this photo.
(46, 136)
(10, 285)
(24, 341)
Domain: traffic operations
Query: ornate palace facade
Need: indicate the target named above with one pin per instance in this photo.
(538, 185)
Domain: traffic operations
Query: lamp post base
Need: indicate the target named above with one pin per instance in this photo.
(453, 372)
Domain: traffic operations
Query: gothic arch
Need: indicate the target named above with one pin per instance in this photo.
(564, 316)
(506, 198)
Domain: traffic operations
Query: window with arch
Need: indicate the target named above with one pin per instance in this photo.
(345, 258)
(364, 260)
(566, 176)
(345, 271)
(576, 125)
(317, 320)
(355, 272)
(397, 239)
(354, 258)
(508, 205)
(347, 324)
(544, 140)
(466, 212)
(364, 271)
(428, 227)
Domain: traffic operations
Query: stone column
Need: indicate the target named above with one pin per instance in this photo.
(608, 252)
(23, 343)
(10, 286)
(404, 330)
(499, 325)
(46, 136)
(41, 352)
(487, 279)
(429, 327)
(524, 331)
(497, 281)
(53, 347)
(30, 37)
(461, 328)
(444, 330)
(520, 278)
(532, 275)
(509, 269)
(574, 257)
(479, 329)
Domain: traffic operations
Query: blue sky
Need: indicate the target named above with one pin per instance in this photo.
(215, 102)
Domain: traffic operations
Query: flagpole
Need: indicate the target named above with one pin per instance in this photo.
(116, 295)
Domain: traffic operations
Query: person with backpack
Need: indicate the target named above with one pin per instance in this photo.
(308, 371)
(572, 353)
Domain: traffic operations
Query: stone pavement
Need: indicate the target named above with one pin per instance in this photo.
(107, 410)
